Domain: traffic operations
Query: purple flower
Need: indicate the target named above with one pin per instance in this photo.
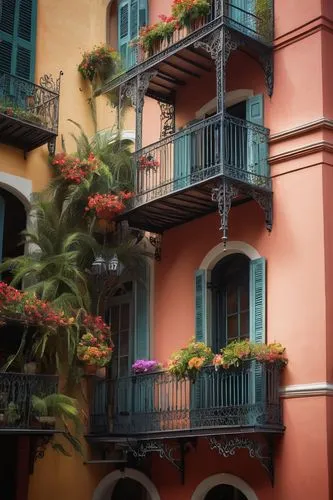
(145, 366)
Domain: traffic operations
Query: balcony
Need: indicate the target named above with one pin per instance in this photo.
(16, 391)
(175, 177)
(28, 112)
(184, 56)
(158, 405)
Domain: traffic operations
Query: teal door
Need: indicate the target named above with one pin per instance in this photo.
(182, 160)
(257, 148)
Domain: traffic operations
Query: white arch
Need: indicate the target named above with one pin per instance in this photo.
(107, 484)
(218, 252)
(18, 186)
(231, 98)
(207, 484)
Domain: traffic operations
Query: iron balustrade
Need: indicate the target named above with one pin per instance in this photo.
(16, 391)
(255, 21)
(28, 102)
(212, 147)
(160, 403)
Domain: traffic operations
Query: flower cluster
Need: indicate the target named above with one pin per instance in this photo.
(145, 366)
(190, 359)
(94, 351)
(188, 11)
(162, 30)
(236, 352)
(74, 170)
(100, 57)
(148, 162)
(97, 326)
(29, 309)
(107, 206)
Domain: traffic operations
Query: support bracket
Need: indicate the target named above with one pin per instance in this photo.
(156, 241)
(261, 450)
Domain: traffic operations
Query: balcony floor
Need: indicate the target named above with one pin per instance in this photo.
(23, 135)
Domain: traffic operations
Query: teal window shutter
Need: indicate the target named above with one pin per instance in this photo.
(201, 305)
(18, 38)
(132, 14)
(142, 316)
(258, 320)
(257, 151)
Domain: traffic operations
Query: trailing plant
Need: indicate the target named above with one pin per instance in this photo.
(20, 113)
(264, 19)
(107, 206)
(74, 170)
(239, 351)
(189, 360)
(65, 408)
(188, 11)
(150, 35)
(102, 61)
(145, 366)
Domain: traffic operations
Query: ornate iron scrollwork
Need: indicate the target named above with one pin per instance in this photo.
(265, 201)
(141, 449)
(156, 242)
(267, 64)
(223, 194)
(167, 119)
(262, 451)
(47, 82)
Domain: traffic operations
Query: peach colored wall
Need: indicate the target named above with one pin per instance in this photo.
(293, 18)
(294, 313)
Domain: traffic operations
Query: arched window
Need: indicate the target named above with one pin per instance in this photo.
(132, 15)
(225, 492)
(230, 300)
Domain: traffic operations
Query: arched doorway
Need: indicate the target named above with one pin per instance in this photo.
(123, 481)
(225, 492)
(224, 487)
(130, 489)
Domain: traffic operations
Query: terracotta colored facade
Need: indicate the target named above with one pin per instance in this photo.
(298, 253)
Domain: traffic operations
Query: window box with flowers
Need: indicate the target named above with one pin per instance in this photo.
(142, 366)
(102, 62)
(107, 206)
(154, 38)
(190, 13)
(147, 163)
(188, 361)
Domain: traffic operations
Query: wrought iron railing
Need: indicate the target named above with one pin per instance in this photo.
(244, 397)
(16, 391)
(213, 147)
(27, 102)
(255, 21)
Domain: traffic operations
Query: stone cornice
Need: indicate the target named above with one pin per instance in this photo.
(308, 29)
(306, 128)
(307, 390)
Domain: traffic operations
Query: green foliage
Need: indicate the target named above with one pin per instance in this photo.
(239, 351)
(264, 19)
(10, 109)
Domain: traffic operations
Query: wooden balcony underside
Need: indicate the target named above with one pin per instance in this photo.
(23, 135)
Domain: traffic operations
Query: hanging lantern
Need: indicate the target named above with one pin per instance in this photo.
(98, 266)
(113, 264)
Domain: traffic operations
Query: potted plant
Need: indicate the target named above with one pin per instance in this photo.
(95, 346)
(189, 360)
(151, 37)
(107, 206)
(47, 409)
(12, 415)
(237, 352)
(145, 366)
(148, 162)
(188, 12)
(102, 61)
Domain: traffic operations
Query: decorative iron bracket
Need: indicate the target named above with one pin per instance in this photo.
(261, 450)
(156, 241)
(267, 63)
(141, 449)
(47, 82)
(167, 119)
(227, 190)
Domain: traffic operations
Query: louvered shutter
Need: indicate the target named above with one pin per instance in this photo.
(201, 305)
(132, 14)
(18, 38)
(257, 151)
(258, 320)
(124, 31)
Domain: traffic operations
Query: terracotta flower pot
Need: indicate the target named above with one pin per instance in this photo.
(90, 369)
(101, 372)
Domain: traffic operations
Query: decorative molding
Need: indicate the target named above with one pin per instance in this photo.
(210, 482)
(301, 32)
(106, 485)
(218, 252)
(307, 390)
(305, 128)
(317, 147)
(18, 186)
